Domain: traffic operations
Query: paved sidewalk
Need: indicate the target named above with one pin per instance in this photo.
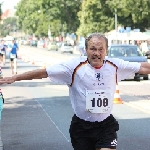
(137, 101)
(142, 105)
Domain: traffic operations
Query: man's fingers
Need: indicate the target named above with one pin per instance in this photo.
(2, 82)
(6, 81)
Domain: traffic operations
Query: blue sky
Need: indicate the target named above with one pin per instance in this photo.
(8, 4)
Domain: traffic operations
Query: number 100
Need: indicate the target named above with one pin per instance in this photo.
(100, 102)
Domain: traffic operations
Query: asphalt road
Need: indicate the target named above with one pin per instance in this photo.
(37, 115)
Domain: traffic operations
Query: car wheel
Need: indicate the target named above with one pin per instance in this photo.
(136, 78)
(145, 78)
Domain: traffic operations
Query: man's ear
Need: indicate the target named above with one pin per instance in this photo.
(107, 51)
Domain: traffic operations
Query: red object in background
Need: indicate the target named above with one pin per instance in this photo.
(31, 38)
(60, 38)
(44, 45)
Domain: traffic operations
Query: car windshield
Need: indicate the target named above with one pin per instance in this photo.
(67, 44)
(126, 51)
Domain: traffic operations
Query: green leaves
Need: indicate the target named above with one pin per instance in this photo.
(96, 16)
(42, 13)
(81, 16)
(9, 25)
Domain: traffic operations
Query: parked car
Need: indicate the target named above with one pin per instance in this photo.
(66, 47)
(147, 53)
(129, 53)
(26, 42)
(52, 46)
(81, 48)
(33, 43)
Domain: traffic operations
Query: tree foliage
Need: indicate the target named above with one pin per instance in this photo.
(37, 16)
(133, 13)
(81, 16)
(95, 16)
(9, 25)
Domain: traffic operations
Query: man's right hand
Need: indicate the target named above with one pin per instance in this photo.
(7, 80)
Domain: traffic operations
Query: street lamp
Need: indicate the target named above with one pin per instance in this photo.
(116, 28)
(63, 33)
(49, 32)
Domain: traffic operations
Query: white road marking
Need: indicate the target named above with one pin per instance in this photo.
(53, 122)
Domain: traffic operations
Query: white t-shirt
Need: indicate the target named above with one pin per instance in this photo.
(80, 76)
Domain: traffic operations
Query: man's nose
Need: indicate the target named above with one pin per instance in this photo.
(97, 52)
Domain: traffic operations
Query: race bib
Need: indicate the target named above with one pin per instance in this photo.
(12, 55)
(98, 101)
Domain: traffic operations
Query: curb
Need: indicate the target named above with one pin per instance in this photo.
(136, 107)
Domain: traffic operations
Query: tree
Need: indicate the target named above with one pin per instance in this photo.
(95, 16)
(1, 9)
(37, 16)
(132, 13)
(9, 25)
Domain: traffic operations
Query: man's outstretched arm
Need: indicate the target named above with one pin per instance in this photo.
(35, 74)
(145, 68)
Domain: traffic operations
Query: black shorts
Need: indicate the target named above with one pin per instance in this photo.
(3, 54)
(12, 59)
(87, 135)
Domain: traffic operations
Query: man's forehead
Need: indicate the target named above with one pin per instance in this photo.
(96, 41)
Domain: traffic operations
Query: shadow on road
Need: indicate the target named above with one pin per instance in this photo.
(34, 123)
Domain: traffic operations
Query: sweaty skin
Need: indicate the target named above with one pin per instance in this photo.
(96, 51)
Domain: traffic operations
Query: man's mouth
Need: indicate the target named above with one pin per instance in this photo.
(95, 58)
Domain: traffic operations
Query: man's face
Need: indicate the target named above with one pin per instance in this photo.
(96, 51)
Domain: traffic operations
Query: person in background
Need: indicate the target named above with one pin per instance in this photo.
(3, 52)
(13, 57)
(0, 53)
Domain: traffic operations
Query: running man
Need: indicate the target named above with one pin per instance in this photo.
(3, 52)
(92, 81)
(13, 57)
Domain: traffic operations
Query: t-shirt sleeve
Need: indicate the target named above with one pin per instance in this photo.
(126, 69)
(62, 72)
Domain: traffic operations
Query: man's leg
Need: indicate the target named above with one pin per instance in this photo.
(78, 134)
(1, 58)
(15, 65)
(108, 138)
(11, 65)
(4, 59)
